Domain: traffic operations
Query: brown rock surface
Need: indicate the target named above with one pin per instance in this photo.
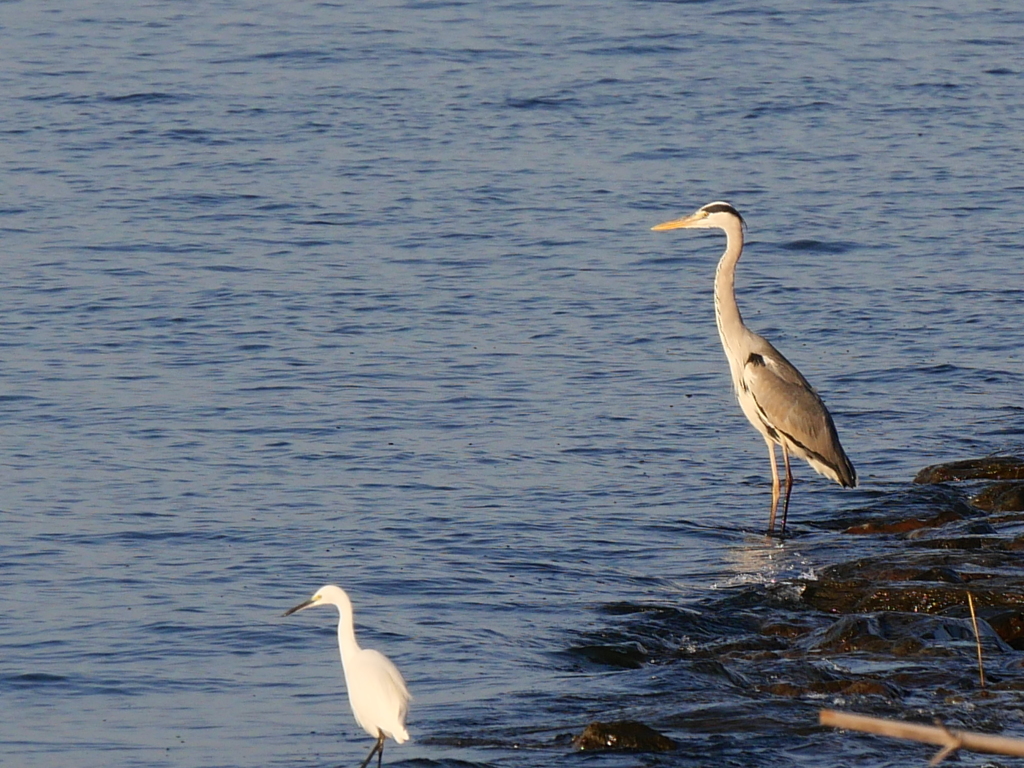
(623, 734)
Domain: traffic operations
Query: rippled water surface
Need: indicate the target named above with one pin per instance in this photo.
(365, 293)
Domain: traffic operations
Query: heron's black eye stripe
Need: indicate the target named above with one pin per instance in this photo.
(722, 208)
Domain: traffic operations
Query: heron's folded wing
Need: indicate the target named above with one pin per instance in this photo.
(788, 404)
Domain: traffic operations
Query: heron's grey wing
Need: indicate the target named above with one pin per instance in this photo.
(789, 406)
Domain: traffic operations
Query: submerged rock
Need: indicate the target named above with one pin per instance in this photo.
(907, 524)
(902, 634)
(623, 734)
(989, 468)
(1008, 623)
(932, 577)
(1001, 497)
(906, 510)
(623, 655)
(882, 621)
(816, 688)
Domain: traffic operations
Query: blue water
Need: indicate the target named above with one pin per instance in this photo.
(298, 293)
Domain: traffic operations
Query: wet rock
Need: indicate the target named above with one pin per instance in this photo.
(863, 687)
(980, 528)
(787, 628)
(871, 688)
(625, 656)
(970, 542)
(853, 633)
(904, 634)
(787, 689)
(1001, 497)
(1008, 624)
(887, 621)
(748, 647)
(930, 579)
(906, 597)
(714, 668)
(906, 525)
(988, 468)
(939, 574)
(911, 598)
(909, 509)
(623, 734)
(918, 566)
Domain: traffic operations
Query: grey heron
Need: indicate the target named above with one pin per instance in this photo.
(774, 395)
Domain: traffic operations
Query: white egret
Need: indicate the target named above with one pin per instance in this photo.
(773, 394)
(376, 690)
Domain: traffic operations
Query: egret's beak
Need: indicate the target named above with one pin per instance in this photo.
(299, 607)
(686, 221)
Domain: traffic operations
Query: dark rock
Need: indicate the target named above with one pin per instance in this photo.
(967, 543)
(887, 621)
(623, 734)
(932, 577)
(625, 655)
(1001, 497)
(909, 597)
(989, 468)
(788, 629)
(852, 633)
(923, 503)
(908, 524)
(947, 575)
(715, 668)
(1009, 625)
(863, 687)
(871, 688)
(903, 634)
(980, 528)
(789, 690)
(934, 564)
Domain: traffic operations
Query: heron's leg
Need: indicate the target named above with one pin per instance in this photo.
(775, 485)
(789, 487)
(378, 749)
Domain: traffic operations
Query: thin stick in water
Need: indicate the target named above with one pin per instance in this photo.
(977, 638)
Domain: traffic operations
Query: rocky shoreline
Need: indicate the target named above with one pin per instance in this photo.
(889, 633)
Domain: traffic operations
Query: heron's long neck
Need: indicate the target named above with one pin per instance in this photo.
(727, 313)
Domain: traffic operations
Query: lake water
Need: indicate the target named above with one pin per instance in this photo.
(366, 293)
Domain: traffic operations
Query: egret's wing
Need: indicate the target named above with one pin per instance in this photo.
(378, 694)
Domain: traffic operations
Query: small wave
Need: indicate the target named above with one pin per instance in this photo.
(817, 246)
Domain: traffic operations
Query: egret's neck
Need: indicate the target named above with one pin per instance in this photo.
(346, 633)
(727, 313)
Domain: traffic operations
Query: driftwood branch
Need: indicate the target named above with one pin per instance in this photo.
(950, 741)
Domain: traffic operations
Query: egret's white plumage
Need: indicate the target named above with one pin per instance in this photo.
(773, 394)
(376, 690)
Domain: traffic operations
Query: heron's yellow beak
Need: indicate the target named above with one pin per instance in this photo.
(686, 221)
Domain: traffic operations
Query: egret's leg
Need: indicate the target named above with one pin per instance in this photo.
(378, 749)
(789, 487)
(775, 485)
